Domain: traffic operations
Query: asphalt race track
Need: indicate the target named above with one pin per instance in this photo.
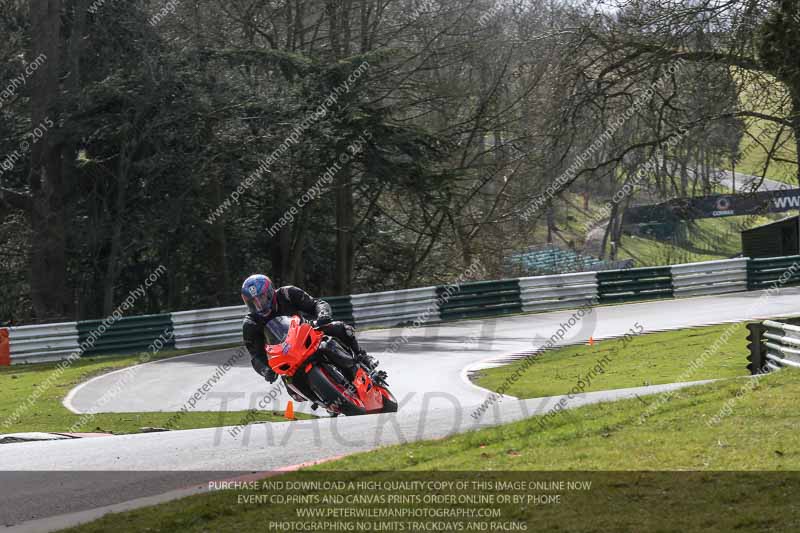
(428, 369)
(427, 372)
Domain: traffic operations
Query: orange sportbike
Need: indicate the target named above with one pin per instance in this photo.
(320, 369)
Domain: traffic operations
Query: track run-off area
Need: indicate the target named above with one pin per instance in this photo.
(55, 483)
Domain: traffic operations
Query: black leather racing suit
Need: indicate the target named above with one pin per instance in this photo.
(291, 301)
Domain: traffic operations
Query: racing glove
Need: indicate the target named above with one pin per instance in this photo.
(270, 375)
(322, 321)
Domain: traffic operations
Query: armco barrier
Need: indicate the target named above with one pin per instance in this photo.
(546, 293)
(395, 308)
(634, 284)
(479, 299)
(773, 345)
(342, 308)
(762, 273)
(125, 335)
(42, 342)
(223, 325)
(712, 277)
(208, 327)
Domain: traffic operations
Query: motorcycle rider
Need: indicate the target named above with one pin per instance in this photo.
(264, 302)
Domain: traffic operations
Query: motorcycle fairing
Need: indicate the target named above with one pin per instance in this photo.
(301, 342)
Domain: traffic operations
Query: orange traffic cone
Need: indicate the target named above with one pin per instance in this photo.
(289, 411)
(591, 341)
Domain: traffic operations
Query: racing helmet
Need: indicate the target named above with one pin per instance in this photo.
(258, 293)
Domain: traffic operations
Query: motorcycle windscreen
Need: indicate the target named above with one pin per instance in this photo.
(279, 328)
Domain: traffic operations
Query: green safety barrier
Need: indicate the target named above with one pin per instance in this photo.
(457, 301)
(479, 299)
(765, 272)
(342, 308)
(634, 284)
(126, 335)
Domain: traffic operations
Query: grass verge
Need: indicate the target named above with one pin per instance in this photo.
(633, 361)
(47, 413)
(733, 425)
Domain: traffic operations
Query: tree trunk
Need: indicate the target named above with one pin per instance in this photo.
(796, 128)
(218, 255)
(684, 179)
(608, 232)
(297, 272)
(618, 227)
(73, 86)
(344, 231)
(114, 265)
(339, 28)
(49, 293)
(279, 241)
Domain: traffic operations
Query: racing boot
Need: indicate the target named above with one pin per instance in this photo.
(368, 361)
(379, 377)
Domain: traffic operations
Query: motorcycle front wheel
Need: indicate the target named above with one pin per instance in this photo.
(334, 391)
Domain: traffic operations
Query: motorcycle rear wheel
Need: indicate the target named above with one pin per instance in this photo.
(331, 387)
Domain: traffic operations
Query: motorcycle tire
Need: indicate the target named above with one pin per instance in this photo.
(330, 386)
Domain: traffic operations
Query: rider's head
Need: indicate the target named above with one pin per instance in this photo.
(258, 293)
